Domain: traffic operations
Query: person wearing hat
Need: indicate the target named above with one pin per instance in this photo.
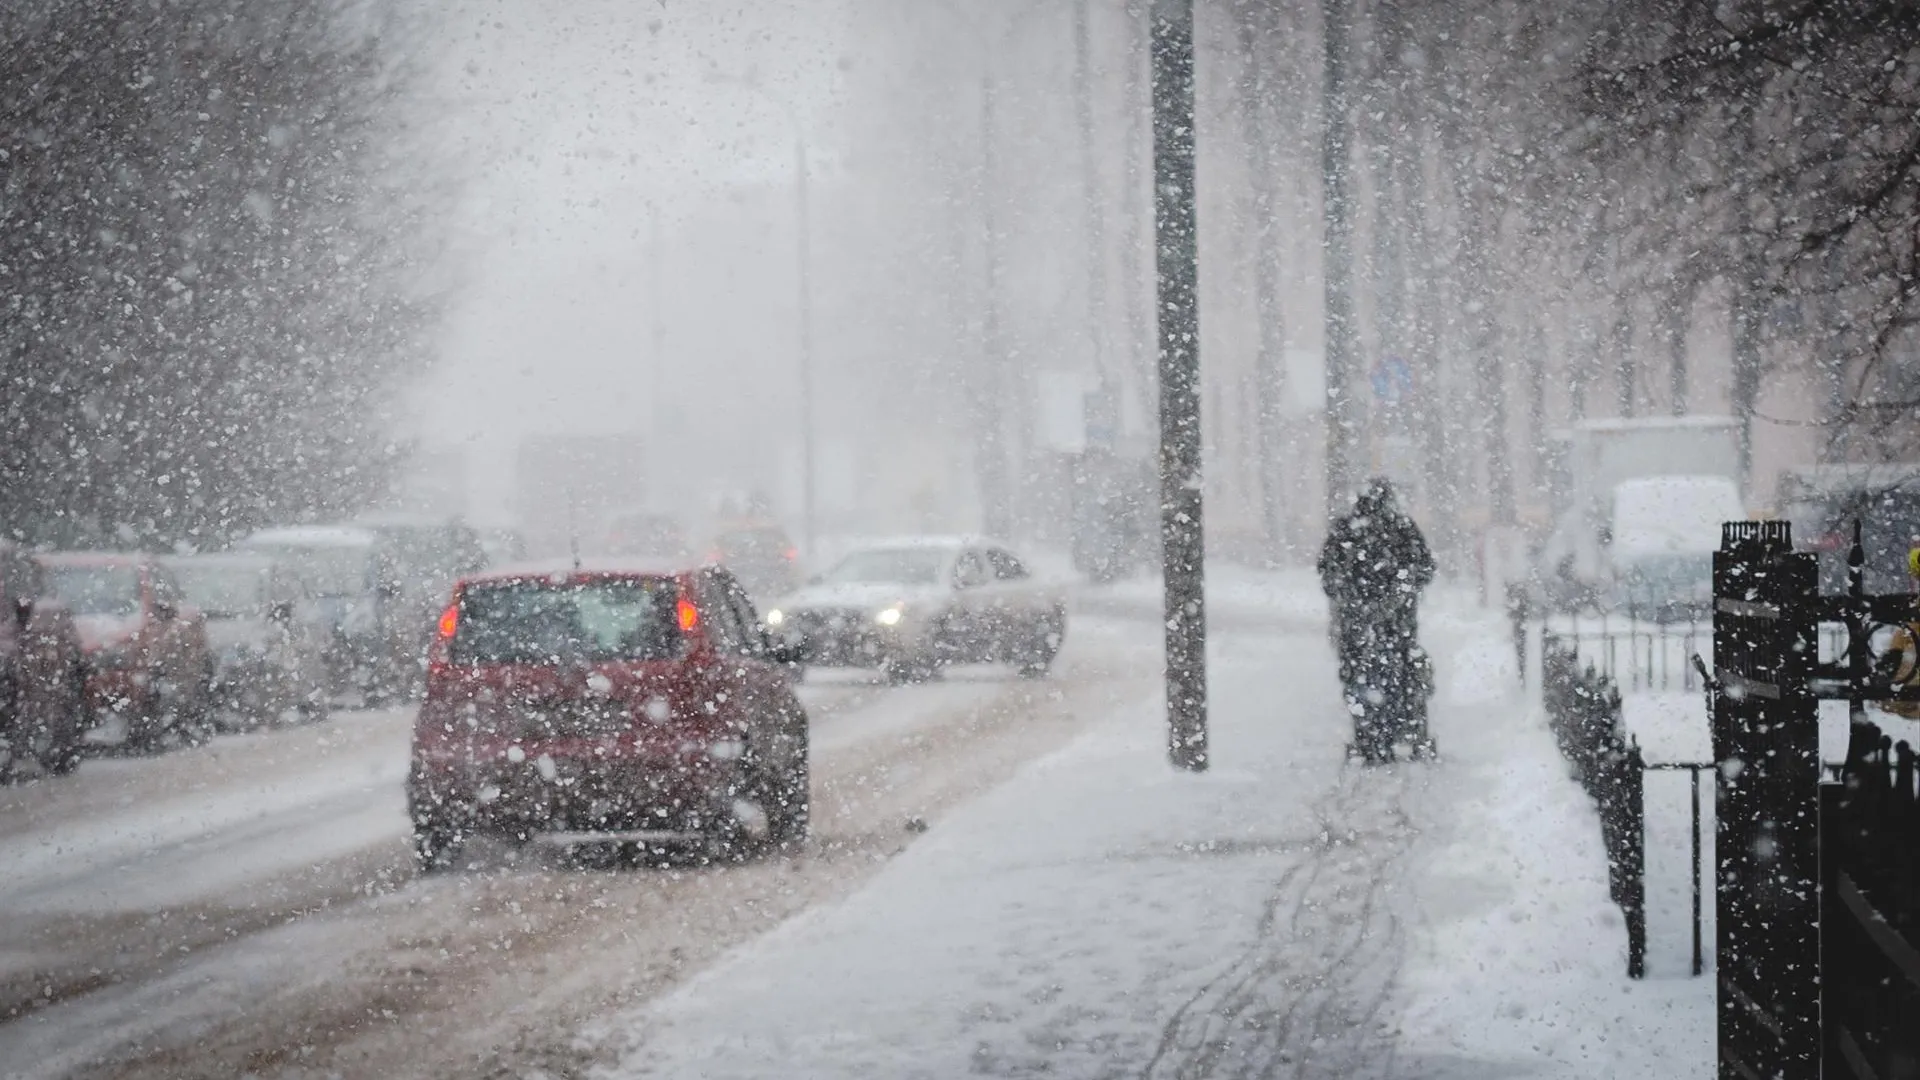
(1373, 567)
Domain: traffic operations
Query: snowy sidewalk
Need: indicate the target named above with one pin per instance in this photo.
(1285, 914)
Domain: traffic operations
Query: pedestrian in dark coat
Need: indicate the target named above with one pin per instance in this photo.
(1373, 567)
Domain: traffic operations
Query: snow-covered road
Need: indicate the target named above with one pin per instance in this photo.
(251, 906)
(1006, 879)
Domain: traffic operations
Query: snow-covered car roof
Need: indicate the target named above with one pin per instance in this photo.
(313, 536)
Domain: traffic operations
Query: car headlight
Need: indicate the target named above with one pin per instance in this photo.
(776, 617)
(888, 616)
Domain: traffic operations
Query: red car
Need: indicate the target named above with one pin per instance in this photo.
(149, 667)
(42, 678)
(607, 704)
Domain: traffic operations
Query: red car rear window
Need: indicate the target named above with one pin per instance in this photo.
(545, 622)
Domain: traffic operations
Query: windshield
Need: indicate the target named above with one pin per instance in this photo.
(1654, 581)
(891, 566)
(223, 592)
(324, 570)
(96, 590)
(535, 622)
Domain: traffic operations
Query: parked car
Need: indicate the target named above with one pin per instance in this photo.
(609, 703)
(1823, 502)
(1660, 540)
(268, 664)
(910, 607)
(42, 676)
(149, 665)
(376, 586)
(761, 556)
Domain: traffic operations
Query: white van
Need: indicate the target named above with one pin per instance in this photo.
(1660, 538)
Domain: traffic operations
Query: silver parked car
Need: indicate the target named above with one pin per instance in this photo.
(269, 655)
(910, 607)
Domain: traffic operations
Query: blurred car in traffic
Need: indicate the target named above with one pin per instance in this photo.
(910, 607)
(268, 664)
(1824, 502)
(605, 703)
(642, 534)
(149, 666)
(42, 676)
(762, 557)
(376, 586)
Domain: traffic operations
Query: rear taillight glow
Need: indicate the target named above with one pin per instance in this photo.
(793, 554)
(688, 614)
(449, 622)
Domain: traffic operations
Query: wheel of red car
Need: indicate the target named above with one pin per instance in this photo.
(63, 755)
(783, 785)
(436, 842)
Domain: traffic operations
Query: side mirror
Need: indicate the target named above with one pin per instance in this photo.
(23, 611)
(165, 611)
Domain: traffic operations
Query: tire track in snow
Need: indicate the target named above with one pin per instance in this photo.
(1305, 997)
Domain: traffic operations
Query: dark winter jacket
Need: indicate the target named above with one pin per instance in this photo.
(1375, 562)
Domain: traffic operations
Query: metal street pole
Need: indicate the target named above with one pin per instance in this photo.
(1342, 419)
(991, 457)
(803, 245)
(1176, 236)
(803, 263)
(657, 285)
(1092, 206)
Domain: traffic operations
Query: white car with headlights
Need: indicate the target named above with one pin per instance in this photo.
(911, 607)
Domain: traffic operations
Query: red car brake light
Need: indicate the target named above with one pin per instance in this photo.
(449, 622)
(689, 615)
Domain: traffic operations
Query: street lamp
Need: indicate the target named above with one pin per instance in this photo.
(992, 472)
(803, 262)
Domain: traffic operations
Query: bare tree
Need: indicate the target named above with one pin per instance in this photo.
(204, 314)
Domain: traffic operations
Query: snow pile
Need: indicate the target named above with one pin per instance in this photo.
(1100, 914)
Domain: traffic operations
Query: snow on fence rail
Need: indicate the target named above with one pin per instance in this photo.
(1636, 653)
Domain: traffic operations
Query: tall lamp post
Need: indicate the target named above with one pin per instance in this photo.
(992, 472)
(803, 267)
(1176, 242)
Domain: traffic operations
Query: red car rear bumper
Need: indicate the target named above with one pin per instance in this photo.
(611, 787)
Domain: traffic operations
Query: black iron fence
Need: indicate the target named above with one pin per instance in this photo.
(1870, 910)
(1583, 711)
(1818, 885)
(1589, 659)
(1639, 653)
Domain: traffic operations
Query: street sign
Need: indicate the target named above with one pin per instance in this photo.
(1392, 379)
